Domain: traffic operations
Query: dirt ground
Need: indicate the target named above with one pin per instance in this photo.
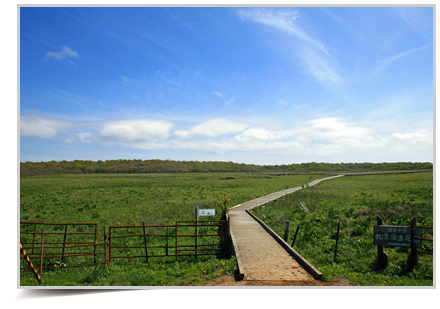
(230, 281)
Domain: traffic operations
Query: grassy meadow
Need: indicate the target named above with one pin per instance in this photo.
(355, 202)
(160, 199)
(131, 199)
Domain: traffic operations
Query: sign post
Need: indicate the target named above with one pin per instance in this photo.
(396, 236)
(197, 230)
(206, 212)
(412, 258)
(382, 257)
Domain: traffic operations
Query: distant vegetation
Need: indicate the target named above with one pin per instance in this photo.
(168, 166)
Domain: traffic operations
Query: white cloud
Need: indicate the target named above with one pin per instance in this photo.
(84, 137)
(128, 131)
(260, 134)
(419, 136)
(65, 52)
(41, 127)
(334, 129)
(325, 138)
(212, 128)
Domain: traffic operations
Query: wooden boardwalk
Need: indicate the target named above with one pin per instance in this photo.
(261, 255)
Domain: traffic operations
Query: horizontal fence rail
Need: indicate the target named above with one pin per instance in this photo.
(422, 238)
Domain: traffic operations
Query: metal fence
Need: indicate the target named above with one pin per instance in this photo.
(141, 241)
(151, 241)
(423, 238)
(60, 245)
(208, 238)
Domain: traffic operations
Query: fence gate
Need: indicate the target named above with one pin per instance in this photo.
(206, 237)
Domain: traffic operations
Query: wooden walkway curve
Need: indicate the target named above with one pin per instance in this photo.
(261, 254)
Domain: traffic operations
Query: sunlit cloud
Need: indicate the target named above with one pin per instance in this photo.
(212, 128)
(134, 130)
(419, 136)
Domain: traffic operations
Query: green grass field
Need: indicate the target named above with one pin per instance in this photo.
(356, 202)
(158, 199)
(131, 199)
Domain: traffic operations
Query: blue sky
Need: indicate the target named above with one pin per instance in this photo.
(249, 85)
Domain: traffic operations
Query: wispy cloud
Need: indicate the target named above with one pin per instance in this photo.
(283, 20)
(168, 80)
(310, 51)
(127, 81)
(221, 95)
(383, 63)
(72, 63)
(65, 53)
(404, 54)
(420, 19)
(321, 69)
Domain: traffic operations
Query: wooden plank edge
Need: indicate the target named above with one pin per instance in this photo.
(301, 260)
(241, 274)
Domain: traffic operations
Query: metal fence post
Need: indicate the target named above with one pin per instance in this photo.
(176, 240)
(294, 237)
(64, 242)
(96, 239)
(145, 242)
(33, 238)
(337, 240)
(166, 246)
(197, 230)
(105, 247)
(42, 249)
(110, 244)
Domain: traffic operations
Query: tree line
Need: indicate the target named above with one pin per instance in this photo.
(169, 166)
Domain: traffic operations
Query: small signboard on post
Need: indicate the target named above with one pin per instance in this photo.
(396, 236)
(206, 212)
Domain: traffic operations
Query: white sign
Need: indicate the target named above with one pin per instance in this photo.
(206, 212)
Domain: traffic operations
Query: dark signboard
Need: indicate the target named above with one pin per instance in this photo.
(396, 236)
